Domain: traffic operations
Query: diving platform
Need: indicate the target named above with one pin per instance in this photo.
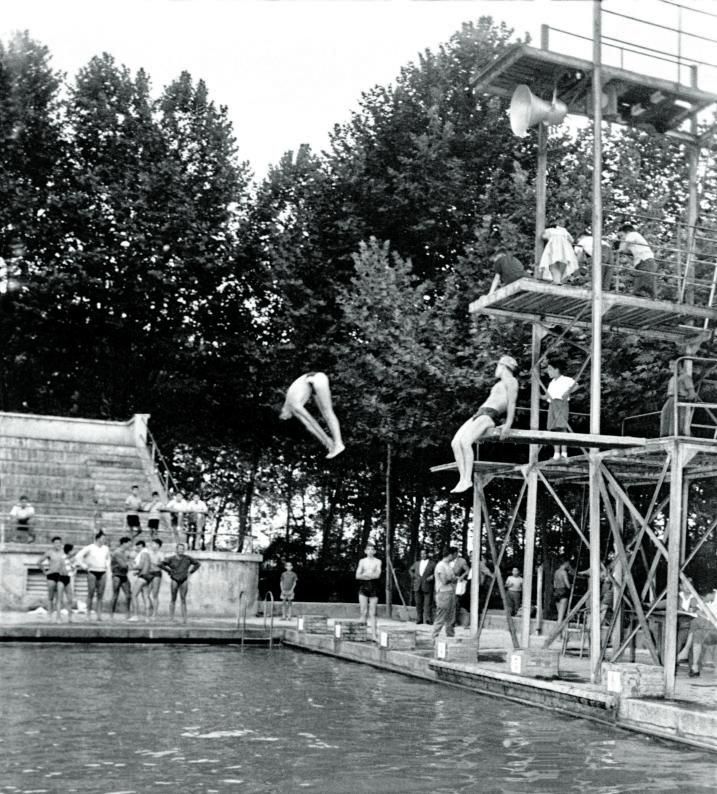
(530, 300)
(636, 100)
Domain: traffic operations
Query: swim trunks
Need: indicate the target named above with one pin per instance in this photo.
(153, 523)
(99, 575)
(489, 412)
(560, 592)
(133, 520)
(369, 588)
(58, 577)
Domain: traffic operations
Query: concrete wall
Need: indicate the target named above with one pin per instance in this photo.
(213, 591)
(68, 428)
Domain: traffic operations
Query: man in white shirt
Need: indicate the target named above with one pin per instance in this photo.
(196, 519)
(23, 514)
(133, 505)
(96, 560)
(514, 590)
(584, 254)
(177, 507)
(643, 259)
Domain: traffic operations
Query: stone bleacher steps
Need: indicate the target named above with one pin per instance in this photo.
(78, 480)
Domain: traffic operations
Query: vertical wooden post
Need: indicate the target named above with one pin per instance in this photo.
(616, 639)
(596, 361)
(693, 155)
(541, 173)
(669, 651)
(389, 544)
(475, 557)
(532, 497)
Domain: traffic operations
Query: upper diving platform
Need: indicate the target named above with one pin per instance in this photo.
(634, 99)
(529, 300)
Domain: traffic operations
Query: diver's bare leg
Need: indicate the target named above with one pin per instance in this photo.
(312, 426)
(322, 396)
(462, 445)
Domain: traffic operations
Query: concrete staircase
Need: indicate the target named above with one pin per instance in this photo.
(75, 472)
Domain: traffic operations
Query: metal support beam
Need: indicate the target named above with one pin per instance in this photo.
(475, 557)
(673, 567)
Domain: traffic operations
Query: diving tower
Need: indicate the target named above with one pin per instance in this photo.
(637, 487)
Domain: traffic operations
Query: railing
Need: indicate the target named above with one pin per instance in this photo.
(46, 526)
(705, 427)
(241, 614)
(160, 465)
(269, 599)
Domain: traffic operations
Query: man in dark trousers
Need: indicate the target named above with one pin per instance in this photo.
(423, 587)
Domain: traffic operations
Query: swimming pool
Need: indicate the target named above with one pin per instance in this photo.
(141, 719)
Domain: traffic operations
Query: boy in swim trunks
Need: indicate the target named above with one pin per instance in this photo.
(298, 394)
(145, 575)
(54, 565)
(368, 574)
(179, 567)
(288, 586)
(119, 563)
(156, 556)
(500, 403)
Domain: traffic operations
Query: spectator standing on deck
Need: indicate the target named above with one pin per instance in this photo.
(179, 567)
(23, 515)
(119, 563)
(514, 590)
(368, 573)
(54, 565)
(643, 260)
(445, 579)
(143, 569)
(462, 571)
(154, 509)
(422, 580)
(507, 269)
(196, 520)
(95, 559)
(133, 505)
(561, 588)
(156, 556)
(288, 587)
(177, 507)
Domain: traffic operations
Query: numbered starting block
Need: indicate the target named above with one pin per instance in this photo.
(350, 630)
(534, 662)
(452, 651)
(314, 624)
(397, 640)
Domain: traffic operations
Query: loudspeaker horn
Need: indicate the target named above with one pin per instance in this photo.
(526, 109)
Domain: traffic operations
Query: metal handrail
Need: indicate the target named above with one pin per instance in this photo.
(160, 465)
(269, 598)
(241, 615)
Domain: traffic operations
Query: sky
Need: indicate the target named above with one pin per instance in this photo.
(288, 70)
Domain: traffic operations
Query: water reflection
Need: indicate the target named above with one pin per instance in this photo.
(140, 719)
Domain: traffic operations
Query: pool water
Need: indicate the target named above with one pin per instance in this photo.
(217, 719)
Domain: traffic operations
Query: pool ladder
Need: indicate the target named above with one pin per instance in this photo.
(241, 614)
(269, 601)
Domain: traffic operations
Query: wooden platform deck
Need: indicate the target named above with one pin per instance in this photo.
(530, 300)
(636, 100)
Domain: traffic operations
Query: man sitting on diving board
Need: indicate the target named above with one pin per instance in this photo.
(500, 403)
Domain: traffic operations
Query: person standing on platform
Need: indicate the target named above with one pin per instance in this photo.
(643, 260)
(177, 507)
(584, 255)
(23, 514)
(686, 392)
(558, 394)
(156, 556)
(95, 559)
(179, 567)
(462, 571)
(514, 590)
(133, 505)
(368, 574)
(507, 269)
(445, 580)
(287, 582)
(314, 384)
(196, 519)
(143, 569)
(119, 563)
(702, 632)
(54, 565)
(154, 509)
(500, 403)
(558, 261)
(422, 583)
(561, 588)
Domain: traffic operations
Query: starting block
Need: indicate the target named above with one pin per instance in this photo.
(314, 624)
(397, 640)
(446, 651)
(632, 680)
(535, 662)
(350, 630)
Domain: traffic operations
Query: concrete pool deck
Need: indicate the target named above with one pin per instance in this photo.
(690, 718)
